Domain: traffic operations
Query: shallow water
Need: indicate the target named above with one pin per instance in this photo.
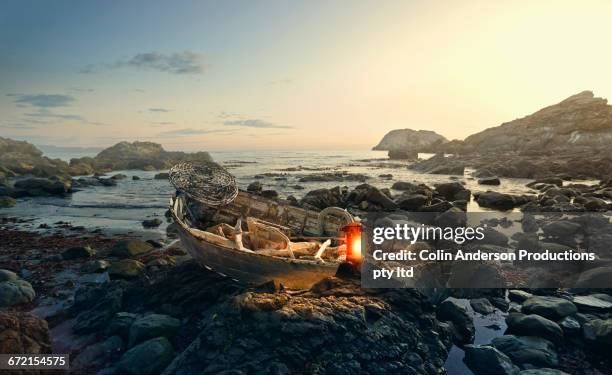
(487, 328)
(121, 209)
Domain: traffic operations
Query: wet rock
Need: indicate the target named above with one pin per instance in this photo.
(561, 229)
(452, 218)
(147, 358)
(453, 312)
(255, 187)
(493, 199)
(487, 360)
(6, 202)
(35, 187)
(527, 351)
(518, 295)
(591, 304)
(118, 176)
(107, 182)
(482, 306)
(130, 248)
(543, 371)
(489, 181)
(151, 223)
(98, 354)
(452, 191)
(151, 326)
(135, 178)
(270, 194)
(437, 207)
(95, 266)
(404, 186)
(161, 176)
(120, 324)
(126, 269)
(23, 333)
(386, 176)
(14, 291)
(570, 326)
(78, 252)
(529, 224)
(372, 195)
(598, 331)
(322, 198)
(554, 308)
(96, 305)
(534, 325)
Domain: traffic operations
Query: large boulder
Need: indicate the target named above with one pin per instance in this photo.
(527, 351)
(34, 187)
(453, 191)
(554, 308)
(23, 158)
(463, 324)
(493, 199)
(323, 198)
(487, 360)
(13, 290)
(534, 325)
(407, 142)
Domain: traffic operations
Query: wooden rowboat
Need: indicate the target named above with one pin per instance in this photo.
(233, 254)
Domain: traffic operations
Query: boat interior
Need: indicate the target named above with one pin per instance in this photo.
(262, 237)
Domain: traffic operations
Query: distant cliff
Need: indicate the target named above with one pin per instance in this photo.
(406, 143)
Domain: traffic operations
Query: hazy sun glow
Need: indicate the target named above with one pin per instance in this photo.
(290, 75)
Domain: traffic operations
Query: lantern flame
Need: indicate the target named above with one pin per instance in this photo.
(353, 242)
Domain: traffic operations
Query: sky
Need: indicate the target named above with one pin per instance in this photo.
(284, 75)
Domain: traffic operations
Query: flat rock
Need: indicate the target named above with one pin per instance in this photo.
(549, 307)
(591, 304)
(78, 252)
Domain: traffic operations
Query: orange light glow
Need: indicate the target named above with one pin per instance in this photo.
(353, 242)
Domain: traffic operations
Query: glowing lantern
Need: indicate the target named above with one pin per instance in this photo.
(352, 234)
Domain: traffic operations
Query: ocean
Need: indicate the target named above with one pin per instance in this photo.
(122, 208)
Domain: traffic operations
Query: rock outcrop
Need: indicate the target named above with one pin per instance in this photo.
(580, 121)
(23, 158)
(407, 143)
(137, 155)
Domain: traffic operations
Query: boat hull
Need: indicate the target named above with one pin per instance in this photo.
(253, 268)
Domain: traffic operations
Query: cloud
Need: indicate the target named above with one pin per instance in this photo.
(186, 62)
(17, 126)
(162, 123)
(255, 123)
(43, 100)
(81, 89)
(45, 116)
(159, 110)
(191, 131)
